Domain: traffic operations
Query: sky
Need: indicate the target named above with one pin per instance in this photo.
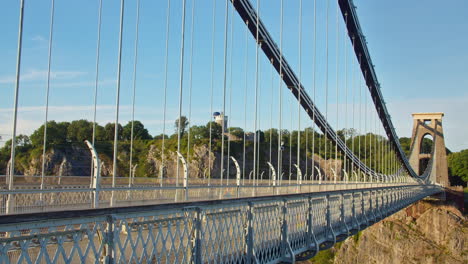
(420, 52)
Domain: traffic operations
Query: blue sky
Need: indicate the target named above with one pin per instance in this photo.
(420, 52)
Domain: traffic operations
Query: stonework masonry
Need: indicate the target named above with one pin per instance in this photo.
(429, 124)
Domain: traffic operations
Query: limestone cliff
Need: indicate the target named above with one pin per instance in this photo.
(426, 232)
(76, 161)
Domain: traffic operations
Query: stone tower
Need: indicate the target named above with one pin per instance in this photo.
(429, 124)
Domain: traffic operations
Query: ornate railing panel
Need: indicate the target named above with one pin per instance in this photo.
(36, 200)
(269, 229)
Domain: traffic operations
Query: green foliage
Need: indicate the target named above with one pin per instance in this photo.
(271, 135)
(184, 122)
(139, 131)
(80, 130)
(109, 131)
(426, 145)
(323, 257)
(237, 131)
(310, 142)
(56, 134)
(405, 145)
(357, 237)
(260, 136)
(458, 165)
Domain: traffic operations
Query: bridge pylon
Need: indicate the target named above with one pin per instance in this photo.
(429, 124)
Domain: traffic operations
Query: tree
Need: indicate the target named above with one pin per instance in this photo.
(22, 142)
(109, 131)
(183, 125)
(260, 136)
(139, 131)
(160, 136)
(426, 145)
(216, 130)
(56, 134)
(458, 164)
(405, 145)
(237, 131)
(347, 133)
(273, 134)
(80, 130)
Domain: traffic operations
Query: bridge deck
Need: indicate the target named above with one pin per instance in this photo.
(268, 229)
(31, 199)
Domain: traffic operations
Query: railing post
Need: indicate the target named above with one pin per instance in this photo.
(250, 234)
(285, 240)
(377, 204)
(310, 231)
(363, 209)
(197, 241)
(342, 212)
(108, 240)
(371, 208)
(353, 211)
(329, 220)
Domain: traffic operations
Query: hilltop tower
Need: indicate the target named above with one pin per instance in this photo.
(427, 125)
(221, 119)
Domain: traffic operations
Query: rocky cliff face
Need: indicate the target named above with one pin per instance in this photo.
(426, 232)
(72, 161)
(76, 161)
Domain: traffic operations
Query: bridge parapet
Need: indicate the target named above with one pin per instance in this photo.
(270, 229)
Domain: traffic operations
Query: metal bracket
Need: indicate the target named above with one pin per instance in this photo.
(356, 176)
(273, 172)
(96, 180)
(334, 175)
(346, 176)
(238, 173)
(299, 174)
(184, 163)
(319, 174)
(185, 183)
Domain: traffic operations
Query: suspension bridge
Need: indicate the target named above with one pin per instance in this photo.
(291, 72)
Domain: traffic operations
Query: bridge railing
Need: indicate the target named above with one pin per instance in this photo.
(54, 199)
(266, 229)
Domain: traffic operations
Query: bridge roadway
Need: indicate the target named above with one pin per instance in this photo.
(29, 198)
(269, 229)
